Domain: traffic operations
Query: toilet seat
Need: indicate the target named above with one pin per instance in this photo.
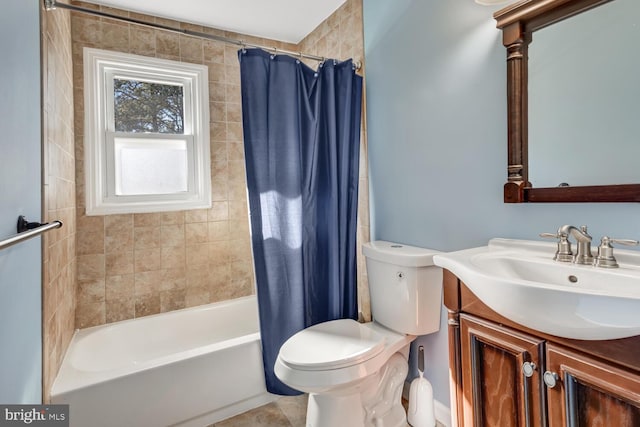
(331, 345)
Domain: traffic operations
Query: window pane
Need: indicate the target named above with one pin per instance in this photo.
(148, 107)
(150, 167)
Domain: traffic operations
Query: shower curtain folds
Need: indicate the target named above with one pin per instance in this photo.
(301, 136)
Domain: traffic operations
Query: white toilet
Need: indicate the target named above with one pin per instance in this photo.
(354, 372)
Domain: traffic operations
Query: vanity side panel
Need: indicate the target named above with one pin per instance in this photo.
(451, 294)
(451, 290)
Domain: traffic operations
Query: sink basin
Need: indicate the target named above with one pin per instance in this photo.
(520, 280)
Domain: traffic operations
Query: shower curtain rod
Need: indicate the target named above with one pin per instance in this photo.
(53, 4)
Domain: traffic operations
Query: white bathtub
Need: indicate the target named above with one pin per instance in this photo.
(190, 367)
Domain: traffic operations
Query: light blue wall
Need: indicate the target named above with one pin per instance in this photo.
(20, 194)
(436, 117)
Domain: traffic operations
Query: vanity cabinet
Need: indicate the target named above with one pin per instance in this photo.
(504, 374)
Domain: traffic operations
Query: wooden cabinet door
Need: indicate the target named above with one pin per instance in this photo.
(496, 391)
(590, 393)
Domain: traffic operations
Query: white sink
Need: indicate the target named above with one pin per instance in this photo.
(520, 280)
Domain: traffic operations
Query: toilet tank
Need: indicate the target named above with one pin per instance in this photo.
(405, 287)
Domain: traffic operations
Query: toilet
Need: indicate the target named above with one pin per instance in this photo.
(354, 372)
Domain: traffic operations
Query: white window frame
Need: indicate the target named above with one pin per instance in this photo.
(100, 69)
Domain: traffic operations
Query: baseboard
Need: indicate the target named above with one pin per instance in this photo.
(442, 411)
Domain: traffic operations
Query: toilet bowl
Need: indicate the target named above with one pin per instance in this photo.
(354, 372)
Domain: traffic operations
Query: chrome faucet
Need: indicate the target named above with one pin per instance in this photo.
(564, 253)
(583, 255)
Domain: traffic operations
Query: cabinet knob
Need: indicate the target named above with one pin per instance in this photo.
(528, 369)
(550, 379)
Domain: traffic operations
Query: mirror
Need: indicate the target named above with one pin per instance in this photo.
(569, 94)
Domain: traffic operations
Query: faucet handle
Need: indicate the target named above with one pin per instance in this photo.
(627, 242)
(550, 235)
(563, 253)
(605, 256)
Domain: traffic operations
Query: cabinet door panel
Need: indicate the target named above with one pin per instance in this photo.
(590, 393)
(496, 392)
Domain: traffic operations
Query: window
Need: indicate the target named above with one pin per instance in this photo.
(146, 134)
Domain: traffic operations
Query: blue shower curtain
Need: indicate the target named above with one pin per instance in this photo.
(301, 138)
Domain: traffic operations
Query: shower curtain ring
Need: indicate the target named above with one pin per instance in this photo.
(275, 52)
(244, 46)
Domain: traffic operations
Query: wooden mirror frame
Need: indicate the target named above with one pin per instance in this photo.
(518, 22)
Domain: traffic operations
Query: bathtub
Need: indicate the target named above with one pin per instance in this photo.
(190, 367)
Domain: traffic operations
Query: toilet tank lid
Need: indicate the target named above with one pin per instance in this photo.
(399, 254)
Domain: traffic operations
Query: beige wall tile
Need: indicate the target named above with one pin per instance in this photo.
(142, 40)
(172, 300)
(219, 190)
(218, 230)
(234, 134)
(147, 237)
(172, 235)
(119, 287)
(91, 267)
(147, 260)
(172, 218)
(196, 233)
(119, 308)
(91, 291)
(90, 314)
(198, 276)
(147, 304)
(217, 91)
(218, 131)
(238, 229)
(197, 254)
(196, 215)
(173, 257)
(219, 211)
(216, 73)
(238, 209)
(191, 49)
(115, 36)
(197, 296)
(173, 278)
(119, 241)
(118, 263)
(116, 223)
(147, 219)
(213, 51)
(90, 242)
(167, 43)
(147, 282)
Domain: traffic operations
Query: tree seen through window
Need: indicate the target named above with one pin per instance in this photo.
(148, 107)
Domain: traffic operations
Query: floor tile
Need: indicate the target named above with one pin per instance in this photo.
(294, 408)
(287, 411)
(268, 415)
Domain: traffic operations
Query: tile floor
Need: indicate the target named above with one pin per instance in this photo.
(285, 412)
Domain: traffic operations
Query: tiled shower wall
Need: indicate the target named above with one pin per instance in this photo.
(135, 265)
(59, 201)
